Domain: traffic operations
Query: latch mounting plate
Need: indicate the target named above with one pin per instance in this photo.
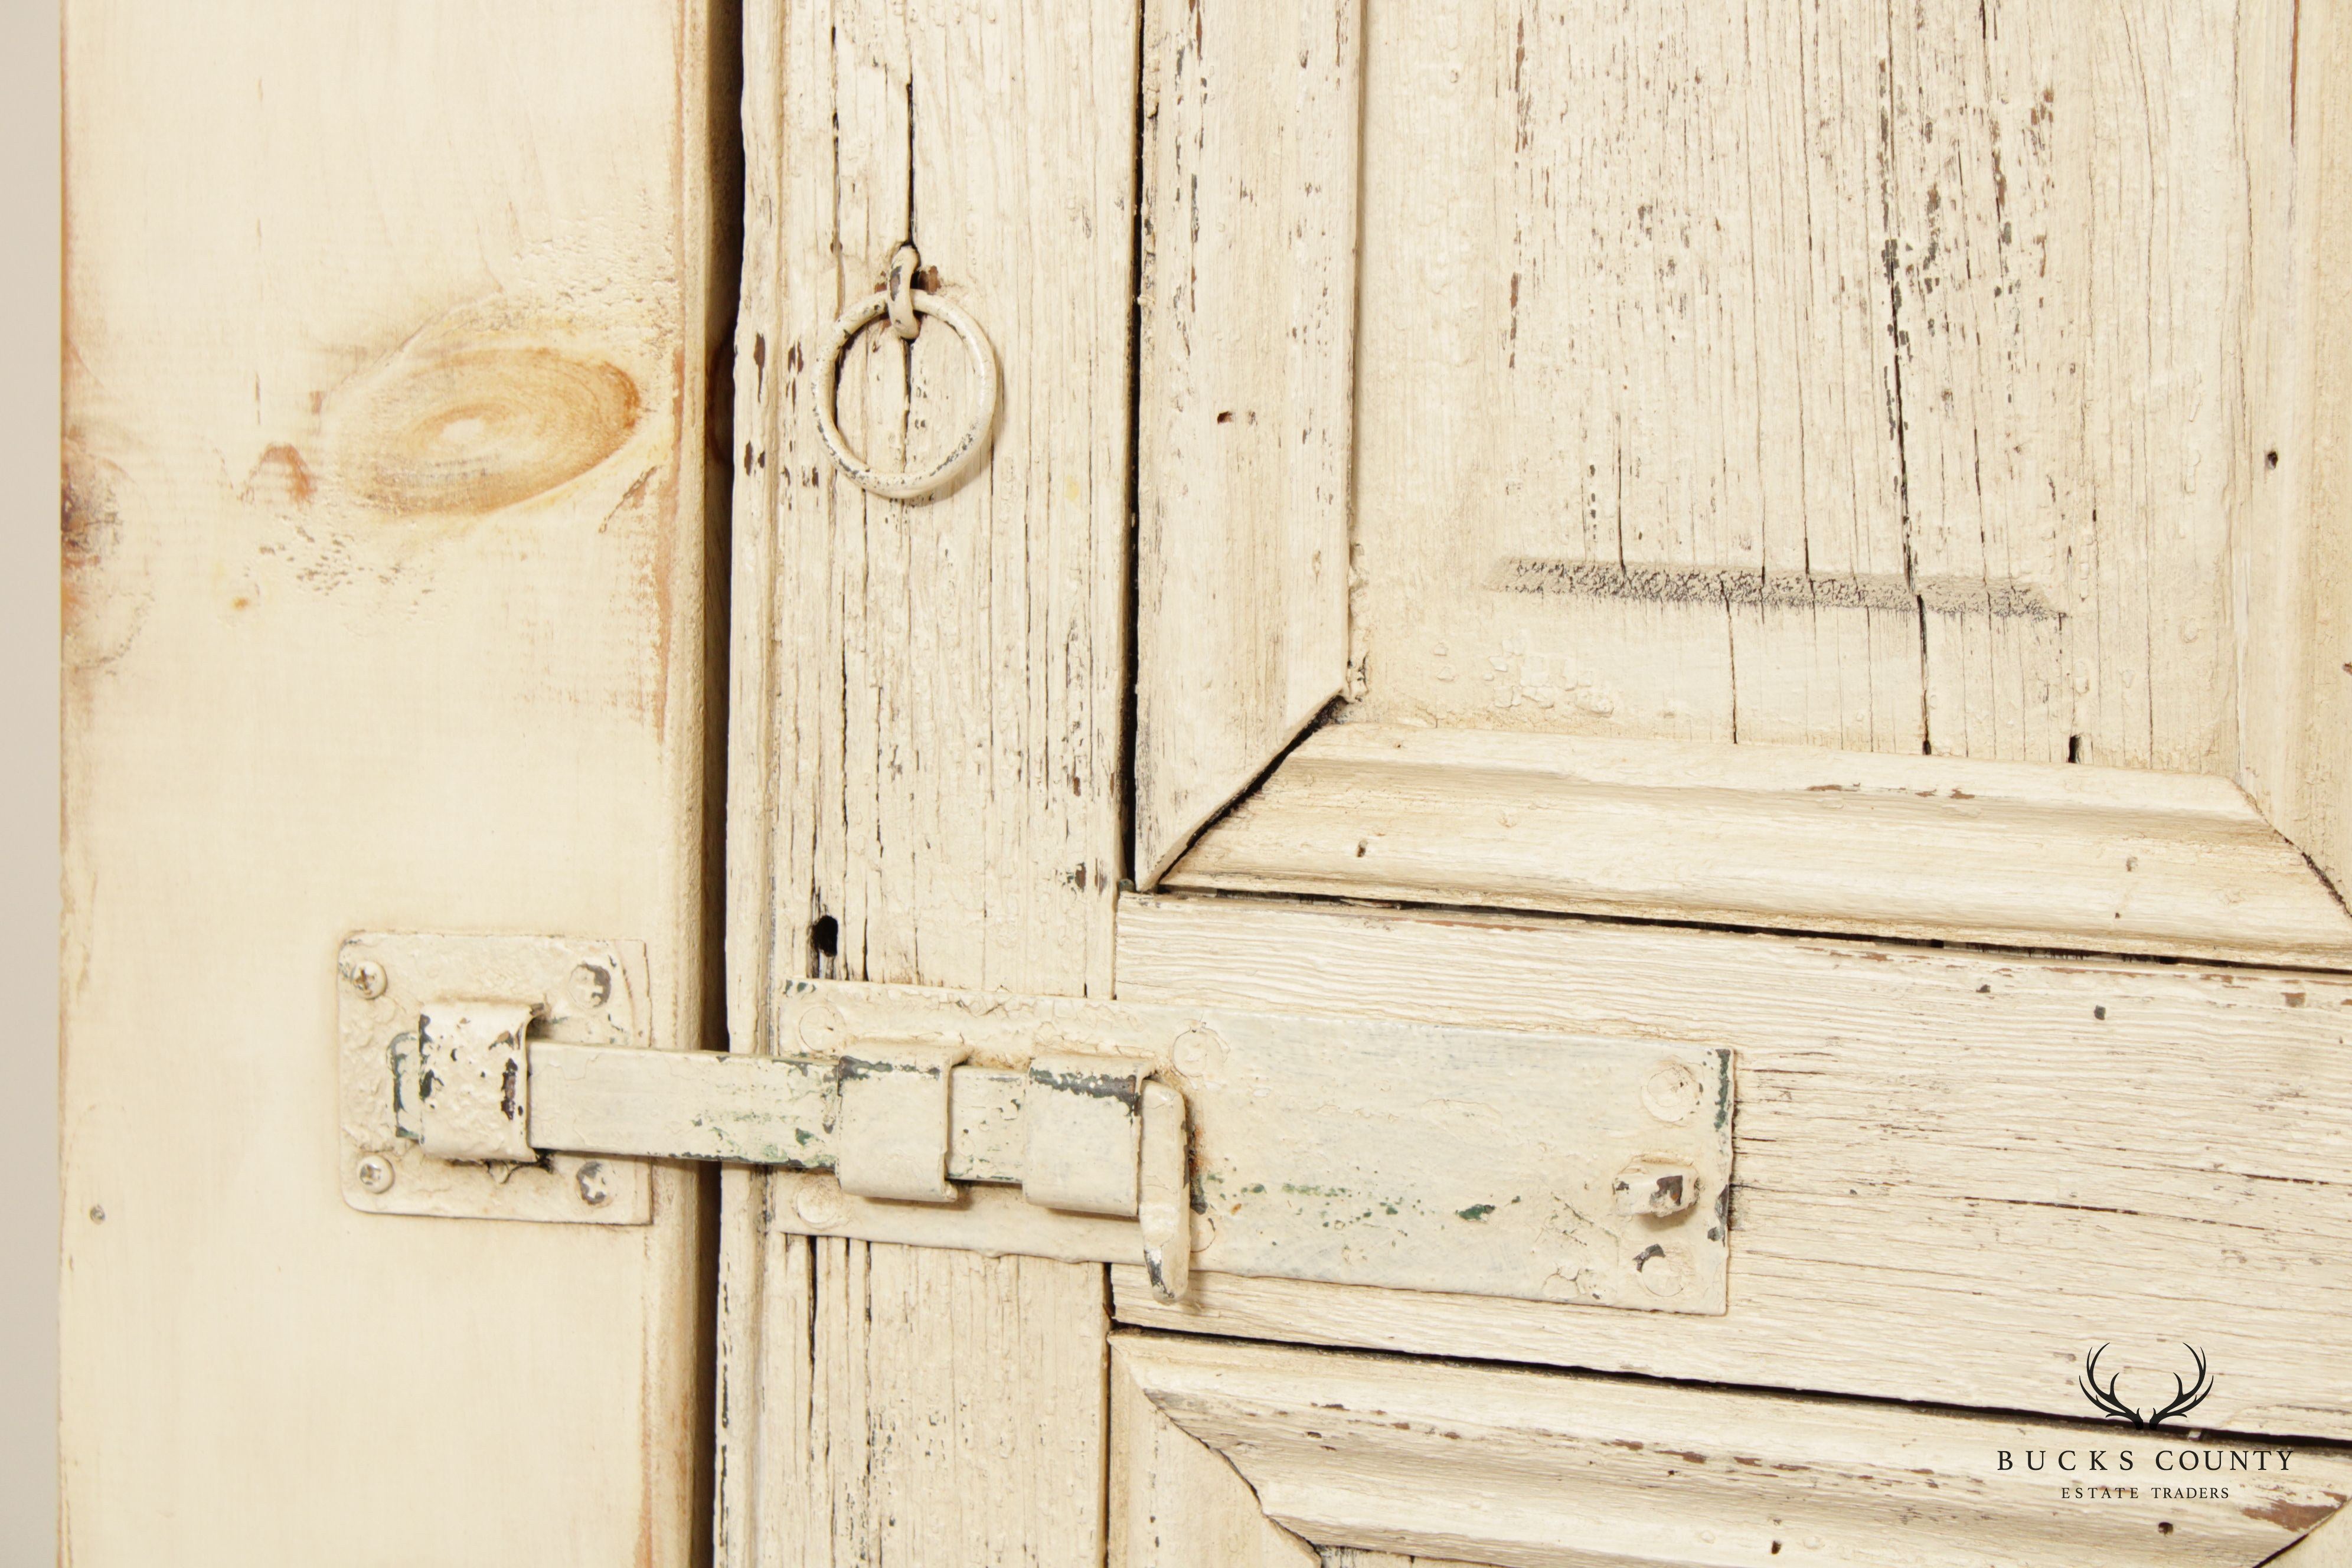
(393, 989)
(1413, 1156)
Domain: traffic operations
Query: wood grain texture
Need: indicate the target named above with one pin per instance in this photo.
(2295, 554)
(1823, 375)
(894, 1326)
(2015, 854)
(926, 784)
(1546, 1470)
(1177, 1503)
(385, 606)
(1954, 1173)
(1247, 377)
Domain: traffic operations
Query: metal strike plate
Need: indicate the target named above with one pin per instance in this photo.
(1359, 1151)
(417, 1010)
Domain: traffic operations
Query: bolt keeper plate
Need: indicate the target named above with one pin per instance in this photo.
(474, 989)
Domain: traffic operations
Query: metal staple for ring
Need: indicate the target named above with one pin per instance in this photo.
(826, 388)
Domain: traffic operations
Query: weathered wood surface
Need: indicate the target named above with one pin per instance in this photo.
(926, 780)
(384, 539)
(1247, 395)
(1953, 1172)
(2016, 853)
(1949, 382)
(1175, 1502)
(2294, 558)
(1548, 1470)
(2329, 1546)
(1809, 374)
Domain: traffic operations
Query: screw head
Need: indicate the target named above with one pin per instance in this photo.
(375, 1173)
(822, 1028)
(1198, 1053)
(592, 985)
(366, 977)
(1660, 1271)
(818, 1203)
(1672, 1092)
(594, 1191)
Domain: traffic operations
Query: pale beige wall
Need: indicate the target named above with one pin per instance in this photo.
(28, 773)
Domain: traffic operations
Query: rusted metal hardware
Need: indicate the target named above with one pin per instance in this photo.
(1288, 1146)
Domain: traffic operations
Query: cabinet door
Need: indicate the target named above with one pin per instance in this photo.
(1797, 529)
(384, 607)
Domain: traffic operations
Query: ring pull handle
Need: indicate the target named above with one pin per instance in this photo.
(904, 305)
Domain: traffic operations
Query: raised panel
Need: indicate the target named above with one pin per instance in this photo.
(1520, 1469)
(1807, 374)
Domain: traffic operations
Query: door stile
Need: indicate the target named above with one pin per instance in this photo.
(926, 743)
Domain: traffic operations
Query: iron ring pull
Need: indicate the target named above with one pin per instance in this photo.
(903, 304)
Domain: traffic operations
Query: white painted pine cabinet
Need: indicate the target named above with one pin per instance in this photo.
(1598, 796)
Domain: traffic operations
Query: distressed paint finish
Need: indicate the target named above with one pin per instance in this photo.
(1935, 379)
(1953, 1172)
(1490, 1167)
(1794, 837)
(1175, 1502)
(385, 606)
(1548, 1470)
(2329, 1546)
(1832, 374)
(2294, 556)
(1247, 395)
(926, 775)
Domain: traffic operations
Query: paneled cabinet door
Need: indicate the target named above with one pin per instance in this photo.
(1800, 530)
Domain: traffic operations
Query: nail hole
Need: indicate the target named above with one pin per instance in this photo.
(2074, 748)
(825, 936)
(2270, 459)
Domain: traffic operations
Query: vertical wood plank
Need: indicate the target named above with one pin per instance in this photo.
(1247, 366)
(928, 773)
(2294, 562)
(385, 537)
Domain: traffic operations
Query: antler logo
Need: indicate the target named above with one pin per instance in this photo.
(2186, 1397)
